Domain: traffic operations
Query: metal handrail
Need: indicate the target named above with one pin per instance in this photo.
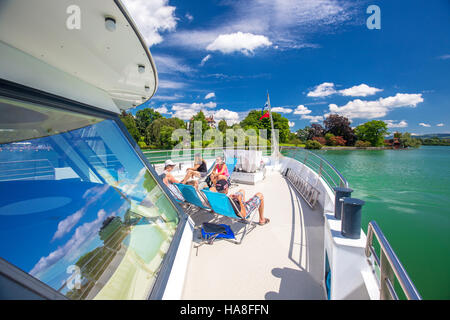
(203, 149)
(389, 265)
(321, 166)
(165, 154)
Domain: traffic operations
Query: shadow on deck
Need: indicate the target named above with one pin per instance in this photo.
(281, 260)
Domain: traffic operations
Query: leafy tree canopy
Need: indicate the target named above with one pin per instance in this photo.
(340, 126)
(144, 117)
(279, 122)
(223, 126)
(373, 131)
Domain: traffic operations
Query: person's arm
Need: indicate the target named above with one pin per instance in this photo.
(194, 168)
(171, 178)
(242, 211)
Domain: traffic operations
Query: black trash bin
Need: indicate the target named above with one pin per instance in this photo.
(351, 218)
(340, 192)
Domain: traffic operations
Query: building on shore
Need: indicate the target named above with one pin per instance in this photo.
(394, 143)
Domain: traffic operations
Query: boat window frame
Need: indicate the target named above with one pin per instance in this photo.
(23, 93)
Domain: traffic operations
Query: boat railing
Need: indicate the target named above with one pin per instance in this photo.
(388, 267)
(159, 156)
(320, 165)
(309, 192)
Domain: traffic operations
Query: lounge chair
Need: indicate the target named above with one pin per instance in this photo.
(222, 205)
(231, 164)
(191, 196)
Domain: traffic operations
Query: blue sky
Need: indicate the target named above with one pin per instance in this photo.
(314, 58)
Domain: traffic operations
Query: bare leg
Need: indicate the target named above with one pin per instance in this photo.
(243, 194)
(193, 183)
(262, 220)
(186, 177)
(190, 174)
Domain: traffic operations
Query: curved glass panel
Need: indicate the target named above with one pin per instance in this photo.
(78, 208)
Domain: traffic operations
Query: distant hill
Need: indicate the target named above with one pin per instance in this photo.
(432, 135)
(427, 136)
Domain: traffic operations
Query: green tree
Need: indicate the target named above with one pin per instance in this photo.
(407, 141)
(223, 126)
(200, 116)
(313, 144)
(373, 131)
(143, 119)
(279, 122)
(304, 134)
(166, 137)
(329, 137)
(130, 123)
(340, 126)
(162, 138)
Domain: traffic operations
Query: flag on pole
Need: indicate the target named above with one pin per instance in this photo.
(266, 114)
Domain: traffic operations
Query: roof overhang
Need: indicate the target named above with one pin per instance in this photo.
(42, 47)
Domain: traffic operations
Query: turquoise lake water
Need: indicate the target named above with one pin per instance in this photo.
(407, 192)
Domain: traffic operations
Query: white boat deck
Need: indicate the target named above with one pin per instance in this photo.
(280, 260)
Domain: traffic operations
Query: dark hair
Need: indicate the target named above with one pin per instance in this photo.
(221, 185)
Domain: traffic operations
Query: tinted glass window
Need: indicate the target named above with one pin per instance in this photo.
(78, 208)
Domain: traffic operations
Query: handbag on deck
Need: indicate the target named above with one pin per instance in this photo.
(212, 231)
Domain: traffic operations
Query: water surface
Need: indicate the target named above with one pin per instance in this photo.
(407, 192)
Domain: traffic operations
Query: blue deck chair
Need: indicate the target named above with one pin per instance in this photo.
(191, 196)
(231, 164)
(221, 204)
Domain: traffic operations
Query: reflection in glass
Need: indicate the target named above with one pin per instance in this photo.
(78, 209)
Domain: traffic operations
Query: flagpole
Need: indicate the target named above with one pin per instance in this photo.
(275, 150)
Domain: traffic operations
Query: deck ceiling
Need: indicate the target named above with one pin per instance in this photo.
(107, 60)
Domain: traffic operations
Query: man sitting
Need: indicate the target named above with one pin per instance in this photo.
(169, 180)
(244, 207)
(200, 168)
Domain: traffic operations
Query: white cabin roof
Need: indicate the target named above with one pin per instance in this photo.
(89, 64)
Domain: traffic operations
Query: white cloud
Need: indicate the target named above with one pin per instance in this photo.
(440, 125)
(152, 18)
(424, 125)
(290, 22)
(210, 95)
(169, 64)
(393, 124)
(167, 98)
(206, 58)
(444, 57)
(301, 109)
(189, 16)
(162, 110)
(312, 119)
(327, 89)
(363, 90)
(80, 236)
(167, 84)
(230, 117)
(378, 108)
(238, 42)
(281, 110)
(91, 196)
(185, 111)
(291, 124)
(322, 90)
